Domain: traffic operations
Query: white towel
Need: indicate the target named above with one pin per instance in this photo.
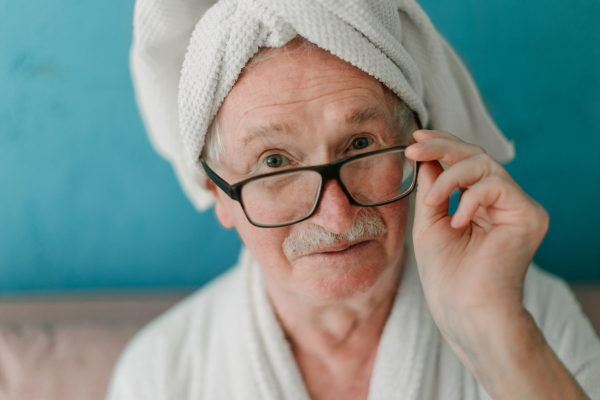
(393, 41)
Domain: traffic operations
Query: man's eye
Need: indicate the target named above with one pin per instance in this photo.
(276, 161)
(360, 143)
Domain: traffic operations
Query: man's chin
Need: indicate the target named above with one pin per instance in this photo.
(334, 276)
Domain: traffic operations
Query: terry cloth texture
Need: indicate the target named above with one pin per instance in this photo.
(225, 342)
(393, 41)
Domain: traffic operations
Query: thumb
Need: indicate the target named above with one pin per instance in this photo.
(426, 215)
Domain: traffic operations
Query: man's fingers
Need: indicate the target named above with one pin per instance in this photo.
(493, 191)
(463, 175)
(425, 134)
(446, 150)
(428, 173)
(489, 185)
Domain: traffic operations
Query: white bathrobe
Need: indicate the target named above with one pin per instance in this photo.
(224, 342)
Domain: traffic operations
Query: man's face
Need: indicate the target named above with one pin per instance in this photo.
(306, 107)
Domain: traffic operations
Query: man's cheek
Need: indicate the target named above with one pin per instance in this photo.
(394, 214)
(263, 240)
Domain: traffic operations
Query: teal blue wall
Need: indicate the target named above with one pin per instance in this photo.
(85, 203)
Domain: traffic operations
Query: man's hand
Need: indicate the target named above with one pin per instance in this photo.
(473, 264)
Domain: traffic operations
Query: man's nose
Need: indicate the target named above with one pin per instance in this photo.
(335, 212)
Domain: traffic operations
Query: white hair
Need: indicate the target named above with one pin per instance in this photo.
(214, 143)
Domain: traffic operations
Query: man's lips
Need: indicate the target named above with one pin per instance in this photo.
(334, 248)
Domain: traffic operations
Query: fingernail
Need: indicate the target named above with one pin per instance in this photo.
(413, 147)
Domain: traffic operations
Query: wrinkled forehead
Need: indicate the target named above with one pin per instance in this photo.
(287, 90)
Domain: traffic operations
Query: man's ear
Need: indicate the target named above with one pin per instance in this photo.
(222, 207)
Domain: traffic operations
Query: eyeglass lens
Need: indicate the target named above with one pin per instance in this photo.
(289, 197)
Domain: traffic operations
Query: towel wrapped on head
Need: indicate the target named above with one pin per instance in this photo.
(393, 41)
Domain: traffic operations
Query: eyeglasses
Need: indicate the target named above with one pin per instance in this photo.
(287, 197)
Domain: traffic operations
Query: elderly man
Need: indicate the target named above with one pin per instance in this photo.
(313, 113)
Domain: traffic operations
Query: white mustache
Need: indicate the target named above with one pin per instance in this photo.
(306, 238)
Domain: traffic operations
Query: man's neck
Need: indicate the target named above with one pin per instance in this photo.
(345, 328)
(335, 343)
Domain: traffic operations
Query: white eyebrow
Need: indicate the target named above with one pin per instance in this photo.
(263, 132)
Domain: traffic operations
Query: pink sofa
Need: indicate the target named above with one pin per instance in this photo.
(65, 348)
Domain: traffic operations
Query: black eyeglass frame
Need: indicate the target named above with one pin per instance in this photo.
(327, 171)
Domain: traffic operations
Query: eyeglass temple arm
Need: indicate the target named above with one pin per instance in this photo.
(418, 120)
(224, 186)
